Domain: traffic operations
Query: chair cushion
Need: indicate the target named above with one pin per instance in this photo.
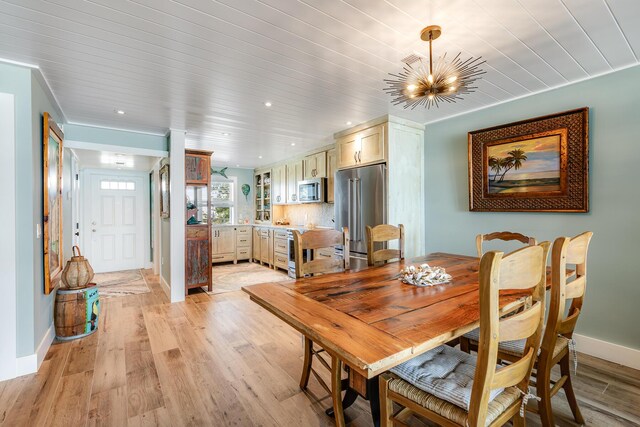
(516, 348)
(449, 411)
(444, 372)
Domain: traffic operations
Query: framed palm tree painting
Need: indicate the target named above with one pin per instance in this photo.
(538, 165)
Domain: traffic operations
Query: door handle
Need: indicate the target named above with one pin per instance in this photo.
(359, 158)
(77, 233)
(355, 156)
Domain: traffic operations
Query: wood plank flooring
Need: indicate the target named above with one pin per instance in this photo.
(221, 360)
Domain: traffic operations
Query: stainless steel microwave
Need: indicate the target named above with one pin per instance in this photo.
(312, 190)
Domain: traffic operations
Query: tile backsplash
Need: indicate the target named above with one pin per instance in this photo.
(316, 213)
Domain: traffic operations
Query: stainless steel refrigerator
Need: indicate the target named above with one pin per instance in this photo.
(360, 200)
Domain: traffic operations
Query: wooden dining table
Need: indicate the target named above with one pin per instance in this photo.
(370, 321)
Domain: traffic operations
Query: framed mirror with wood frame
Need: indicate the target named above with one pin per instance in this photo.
(52, 203)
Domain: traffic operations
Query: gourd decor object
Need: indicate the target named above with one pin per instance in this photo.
(78, 272)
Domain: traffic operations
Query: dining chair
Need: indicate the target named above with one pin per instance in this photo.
(454, 388)
(384, 233)
(505, 236)
(312, 241)
(557, 342)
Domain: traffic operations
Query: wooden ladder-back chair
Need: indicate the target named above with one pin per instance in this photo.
(384, 233)
(521, 270)
(315, 240)
(557, 341)
(505, 236)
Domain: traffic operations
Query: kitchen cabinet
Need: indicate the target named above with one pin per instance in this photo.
(279, 185)
(315, 165)
(332, 163)
(243, 242)
(280, 249)
(294, 174)
(362, 147)
(197, 260)
(256, 244)
(266, 244)
(262, 182)
(223, 244)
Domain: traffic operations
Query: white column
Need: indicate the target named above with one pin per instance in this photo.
(8, 232)
(177, 212)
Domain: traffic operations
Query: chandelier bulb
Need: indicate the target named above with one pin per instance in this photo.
(430, 78)
(452, 79)
(411, 88)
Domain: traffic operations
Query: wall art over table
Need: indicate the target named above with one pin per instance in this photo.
(536, 165)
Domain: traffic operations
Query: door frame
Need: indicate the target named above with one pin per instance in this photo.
(85, 233)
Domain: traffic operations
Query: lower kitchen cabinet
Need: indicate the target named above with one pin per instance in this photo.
(231, 244)
(280, 249)
(223, 244)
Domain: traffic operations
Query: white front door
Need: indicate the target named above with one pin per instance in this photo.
(114, 218)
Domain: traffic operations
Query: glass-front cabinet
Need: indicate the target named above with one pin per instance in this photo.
(262, 181)
(197, 219)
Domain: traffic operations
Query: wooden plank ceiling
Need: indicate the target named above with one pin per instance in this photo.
(209, 66)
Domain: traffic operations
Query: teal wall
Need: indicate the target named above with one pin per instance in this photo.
(17, 81)
(34, 309)
(244, 176)
(97, 135)
(610, 311)
(43, 304)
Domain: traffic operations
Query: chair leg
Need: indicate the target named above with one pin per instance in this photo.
(519, 421)
(386, 405)
(565, 369)
(464, 344)
(543, 388)
(336, 390)
(306, 367)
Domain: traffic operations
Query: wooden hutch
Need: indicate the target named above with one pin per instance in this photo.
(197, 169)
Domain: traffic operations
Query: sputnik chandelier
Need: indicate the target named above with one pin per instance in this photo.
(444, 82)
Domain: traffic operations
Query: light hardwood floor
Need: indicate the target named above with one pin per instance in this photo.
(221, 360)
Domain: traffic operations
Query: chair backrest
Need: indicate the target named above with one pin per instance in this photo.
(521, 270)
(505, 236)
(320, 239)
(573, 252)
(384, 233)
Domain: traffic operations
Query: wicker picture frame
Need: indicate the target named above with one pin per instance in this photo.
(535, 165)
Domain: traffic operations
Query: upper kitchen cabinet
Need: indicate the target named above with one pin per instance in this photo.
(315, 165)
(294, 174)
(361, 146)
(399, 144)
(279, 185)
(332, 163)
(262, 183)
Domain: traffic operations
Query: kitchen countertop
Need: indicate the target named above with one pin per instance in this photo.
(275, 226)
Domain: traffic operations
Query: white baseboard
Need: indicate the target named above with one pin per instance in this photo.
(165, 287)
(608, 351)
(31, 363)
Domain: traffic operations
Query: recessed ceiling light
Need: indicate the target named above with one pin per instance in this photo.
(348, 123)
(293, 143)
(225, 133)
(259, 157)
(267, 104)
(121, 112)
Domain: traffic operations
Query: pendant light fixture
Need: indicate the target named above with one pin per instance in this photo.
(422, 83)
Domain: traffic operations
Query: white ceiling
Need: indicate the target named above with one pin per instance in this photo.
(209, 66)
(94, 159)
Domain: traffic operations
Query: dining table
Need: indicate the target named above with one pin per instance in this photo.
(370, 321)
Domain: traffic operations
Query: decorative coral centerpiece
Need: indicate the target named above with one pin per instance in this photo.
(424, 275)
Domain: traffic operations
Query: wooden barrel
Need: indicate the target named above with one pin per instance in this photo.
(76, 312)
